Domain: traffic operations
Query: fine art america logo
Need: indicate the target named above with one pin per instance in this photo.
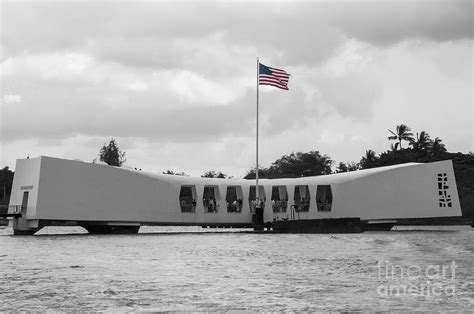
(414, 280)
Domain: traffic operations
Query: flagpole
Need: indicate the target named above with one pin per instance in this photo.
(256, 172)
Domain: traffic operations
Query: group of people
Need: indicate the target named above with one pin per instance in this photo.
(188, 206)
(210, 204)
(279, 206)
(323, 205)
(302, 205)
(254, 203)
(235, 206)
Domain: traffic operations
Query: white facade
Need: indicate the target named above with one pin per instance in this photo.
(66, 191)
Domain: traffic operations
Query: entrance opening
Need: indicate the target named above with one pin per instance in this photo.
(279, 199)
(302, 198)
(324, 198)
(233, 199)
(253, 197)
(211, 198)
(24, 203)
(187, 199)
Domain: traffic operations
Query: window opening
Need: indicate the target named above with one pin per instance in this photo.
(279, 199)
(324, 198)
(187, 199)
(302, 198)
(233, 199)
(211, 199)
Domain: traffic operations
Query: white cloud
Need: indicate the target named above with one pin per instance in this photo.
(11, 99)
(194, 88)
(64, 66)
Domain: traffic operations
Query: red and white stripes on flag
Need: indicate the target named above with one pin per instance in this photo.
(273, 77)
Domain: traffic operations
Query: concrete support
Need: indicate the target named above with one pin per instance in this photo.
(105, 229)
(22, 226)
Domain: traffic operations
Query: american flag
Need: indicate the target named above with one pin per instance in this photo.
(274, 77)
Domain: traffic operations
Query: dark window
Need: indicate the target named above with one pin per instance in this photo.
(233, 199)
(279, 199)
(253, 197)
(211, 199)
(302, 198)
(324, 198)
(24, 203)
(187, 199)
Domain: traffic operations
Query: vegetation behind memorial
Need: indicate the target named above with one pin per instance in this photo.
(295, 165)
(173, 173)
(112, 155)
(215, 174)
(6, 181)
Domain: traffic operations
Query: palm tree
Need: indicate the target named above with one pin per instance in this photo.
(403, 133)
(369, 160)
(370, 155)
(422, 142)
(437, 147)
(394, 147)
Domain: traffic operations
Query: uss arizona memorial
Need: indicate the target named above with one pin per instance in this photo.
(105, 199)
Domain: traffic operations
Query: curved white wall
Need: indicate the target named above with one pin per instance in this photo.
(77, 191)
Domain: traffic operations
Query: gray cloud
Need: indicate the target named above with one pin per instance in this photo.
(164, 71)
(351, 96)
(392, 21)
(70, 111)
(145, 33)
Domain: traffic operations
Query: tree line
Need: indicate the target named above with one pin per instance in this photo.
(419, 149)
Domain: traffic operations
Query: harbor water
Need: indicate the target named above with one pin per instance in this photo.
(194, 269)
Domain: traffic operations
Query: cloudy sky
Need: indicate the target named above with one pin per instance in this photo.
(174, 82)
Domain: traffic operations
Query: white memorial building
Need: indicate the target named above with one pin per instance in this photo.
(51, 191)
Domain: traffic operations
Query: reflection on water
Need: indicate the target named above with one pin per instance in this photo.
(189, 268)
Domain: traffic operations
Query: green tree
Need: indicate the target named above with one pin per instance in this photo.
(369, 160)
(296, 165)
(6, 182)
(421, 145)
(347, 167)
(301, 165)
(112, 155)
(342, 167)
(171, 172)
(263, 173)
(402, 133)
(214, 174)
(394, 146)
(437, 148)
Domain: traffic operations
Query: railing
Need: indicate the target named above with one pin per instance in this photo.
(301, 206)
(14, 211)
(324, 206)
(210, 205)
(279, 206)
(234, 208)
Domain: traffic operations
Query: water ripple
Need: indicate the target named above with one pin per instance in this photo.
(187, 269)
